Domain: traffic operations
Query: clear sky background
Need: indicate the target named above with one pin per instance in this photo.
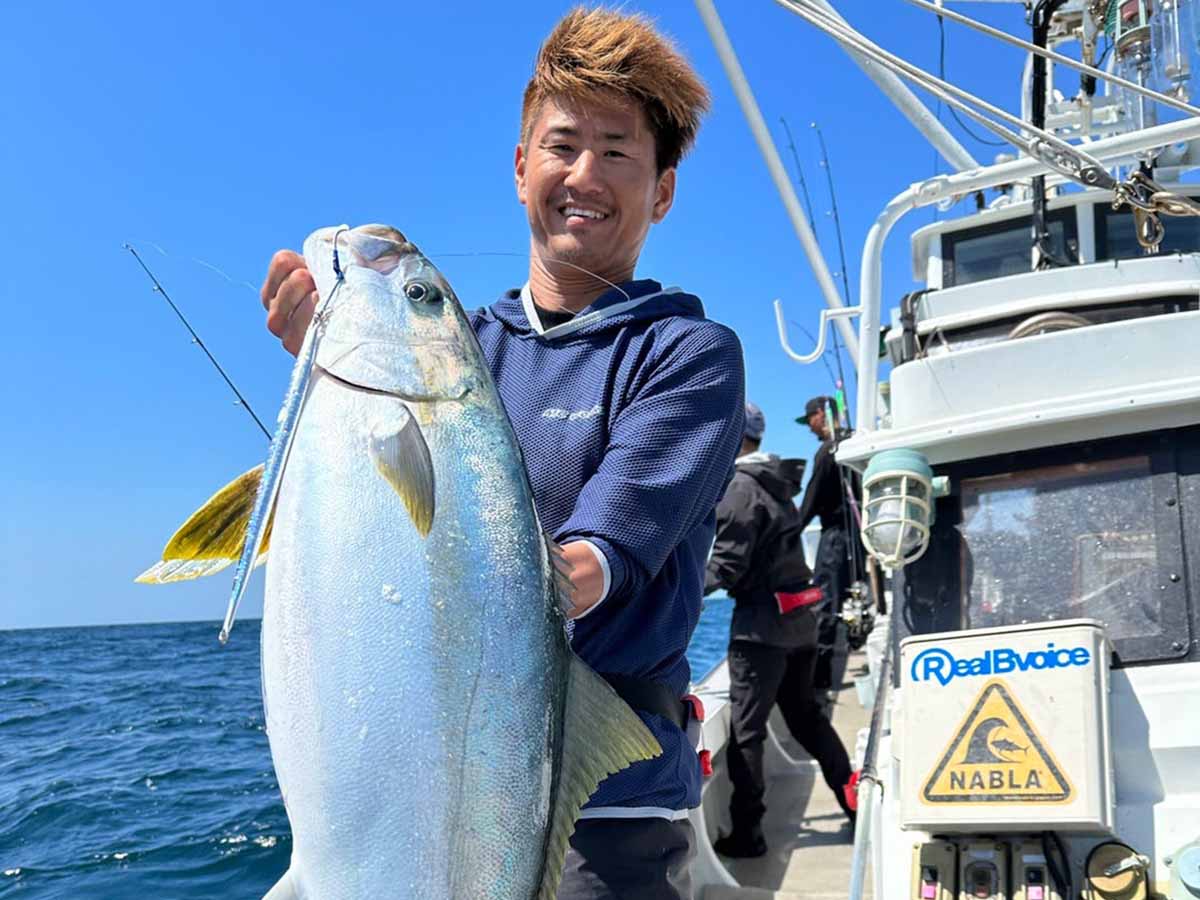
(209, 135)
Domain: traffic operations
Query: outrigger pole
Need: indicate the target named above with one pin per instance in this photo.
(905, 100)
(783, 184)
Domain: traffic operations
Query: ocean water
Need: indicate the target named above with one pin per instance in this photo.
(134, 761)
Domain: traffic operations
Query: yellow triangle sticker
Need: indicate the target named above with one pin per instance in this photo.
(996, 756)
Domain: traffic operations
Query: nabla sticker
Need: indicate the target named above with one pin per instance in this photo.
(997, 756)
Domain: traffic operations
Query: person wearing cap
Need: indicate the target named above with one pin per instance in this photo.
(758, 560)
(825, 498)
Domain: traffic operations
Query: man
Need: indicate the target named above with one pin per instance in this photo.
(627, 404)
(825, 497)
(759, 561)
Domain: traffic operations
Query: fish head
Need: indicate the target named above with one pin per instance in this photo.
(392, 323)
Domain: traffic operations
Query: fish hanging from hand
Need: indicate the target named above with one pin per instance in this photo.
(433, 734)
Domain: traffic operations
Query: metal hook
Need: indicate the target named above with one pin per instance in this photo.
(337, 268)
(844, 312)
(1148, 228)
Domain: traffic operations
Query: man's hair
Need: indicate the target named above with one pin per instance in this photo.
(593, 54)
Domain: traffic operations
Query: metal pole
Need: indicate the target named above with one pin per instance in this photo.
(868, 781)
(907, 102)
(733, 70)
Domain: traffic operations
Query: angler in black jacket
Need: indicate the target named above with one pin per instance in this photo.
(758, 559)
(825, 498)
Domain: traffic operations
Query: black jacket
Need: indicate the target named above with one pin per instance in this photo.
(758, 552)
(824, 494)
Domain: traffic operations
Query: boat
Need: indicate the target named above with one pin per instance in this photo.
(1030, 456)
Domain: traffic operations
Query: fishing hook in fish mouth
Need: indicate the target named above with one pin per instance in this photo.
(411, 398)
(337, 266)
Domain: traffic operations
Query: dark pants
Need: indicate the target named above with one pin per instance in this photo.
(832, 574)
(629, 859)
(761, 676)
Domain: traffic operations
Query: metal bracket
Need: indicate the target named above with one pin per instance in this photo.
(843, 312)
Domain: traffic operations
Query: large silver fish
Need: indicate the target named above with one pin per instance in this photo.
(432, 732)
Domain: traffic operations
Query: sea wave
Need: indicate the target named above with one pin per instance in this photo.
(134, 762)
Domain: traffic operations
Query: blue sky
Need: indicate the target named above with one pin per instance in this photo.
(209, 135)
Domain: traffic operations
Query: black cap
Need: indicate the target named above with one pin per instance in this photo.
(815, 405)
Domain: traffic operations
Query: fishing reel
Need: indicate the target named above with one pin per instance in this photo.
(859, 615)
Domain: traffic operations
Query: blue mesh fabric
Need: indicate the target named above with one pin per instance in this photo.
(629, 426)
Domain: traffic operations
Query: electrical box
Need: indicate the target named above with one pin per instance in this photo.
(1006, 729)
(935, 871)
(983, 871)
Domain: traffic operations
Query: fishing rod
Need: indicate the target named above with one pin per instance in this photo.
(837, 224)
(159, 289)
(803, 184)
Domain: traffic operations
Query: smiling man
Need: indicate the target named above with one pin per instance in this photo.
(627, 403)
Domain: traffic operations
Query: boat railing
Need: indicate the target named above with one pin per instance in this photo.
(924, 193)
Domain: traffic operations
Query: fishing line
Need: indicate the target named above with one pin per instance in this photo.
(803, 184)
(837, 224)
(808, 334)
(199, 342)
(942, 75)
(541, 259)
(198, 261)
(159, 289)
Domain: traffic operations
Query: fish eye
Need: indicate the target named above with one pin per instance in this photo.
(422, 292)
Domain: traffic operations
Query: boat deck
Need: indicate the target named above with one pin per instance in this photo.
(810, 842)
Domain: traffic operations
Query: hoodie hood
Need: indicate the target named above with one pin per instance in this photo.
(781, 478)
(630, 301)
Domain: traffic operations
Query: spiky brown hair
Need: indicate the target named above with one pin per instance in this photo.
(594, 54)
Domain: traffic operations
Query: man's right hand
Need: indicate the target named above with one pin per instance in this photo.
(289, 296)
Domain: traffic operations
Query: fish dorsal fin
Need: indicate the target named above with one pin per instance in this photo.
(212, 537)
(601, 736)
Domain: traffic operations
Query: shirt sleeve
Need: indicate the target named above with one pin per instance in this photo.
(669, 456)
(738, 525)
(812, 494)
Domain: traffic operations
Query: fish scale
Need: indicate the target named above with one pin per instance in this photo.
(438, 655)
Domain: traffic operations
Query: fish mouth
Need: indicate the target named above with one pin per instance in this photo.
(402, 395)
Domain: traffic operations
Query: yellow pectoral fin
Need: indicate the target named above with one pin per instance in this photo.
(401, 455)
(212, 537)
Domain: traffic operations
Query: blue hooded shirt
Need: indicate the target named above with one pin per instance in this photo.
(629, 417)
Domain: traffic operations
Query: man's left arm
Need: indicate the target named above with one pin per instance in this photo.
(669, 456)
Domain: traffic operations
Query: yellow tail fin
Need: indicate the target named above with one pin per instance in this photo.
(212, 537)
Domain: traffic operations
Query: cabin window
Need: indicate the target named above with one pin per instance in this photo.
(1065, 542)
(1091, 531)
(1003, 248)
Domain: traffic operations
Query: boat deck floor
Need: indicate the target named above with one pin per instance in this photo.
(809, 840)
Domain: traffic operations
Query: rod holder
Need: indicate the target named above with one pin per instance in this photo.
(843, 312)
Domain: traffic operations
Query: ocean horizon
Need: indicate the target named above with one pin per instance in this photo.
(134, 760)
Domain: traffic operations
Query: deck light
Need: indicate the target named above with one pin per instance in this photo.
(898, 492)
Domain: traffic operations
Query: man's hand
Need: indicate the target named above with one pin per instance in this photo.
(289, 296)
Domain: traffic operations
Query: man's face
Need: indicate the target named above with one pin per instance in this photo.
(590, 185)
(816, 424)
